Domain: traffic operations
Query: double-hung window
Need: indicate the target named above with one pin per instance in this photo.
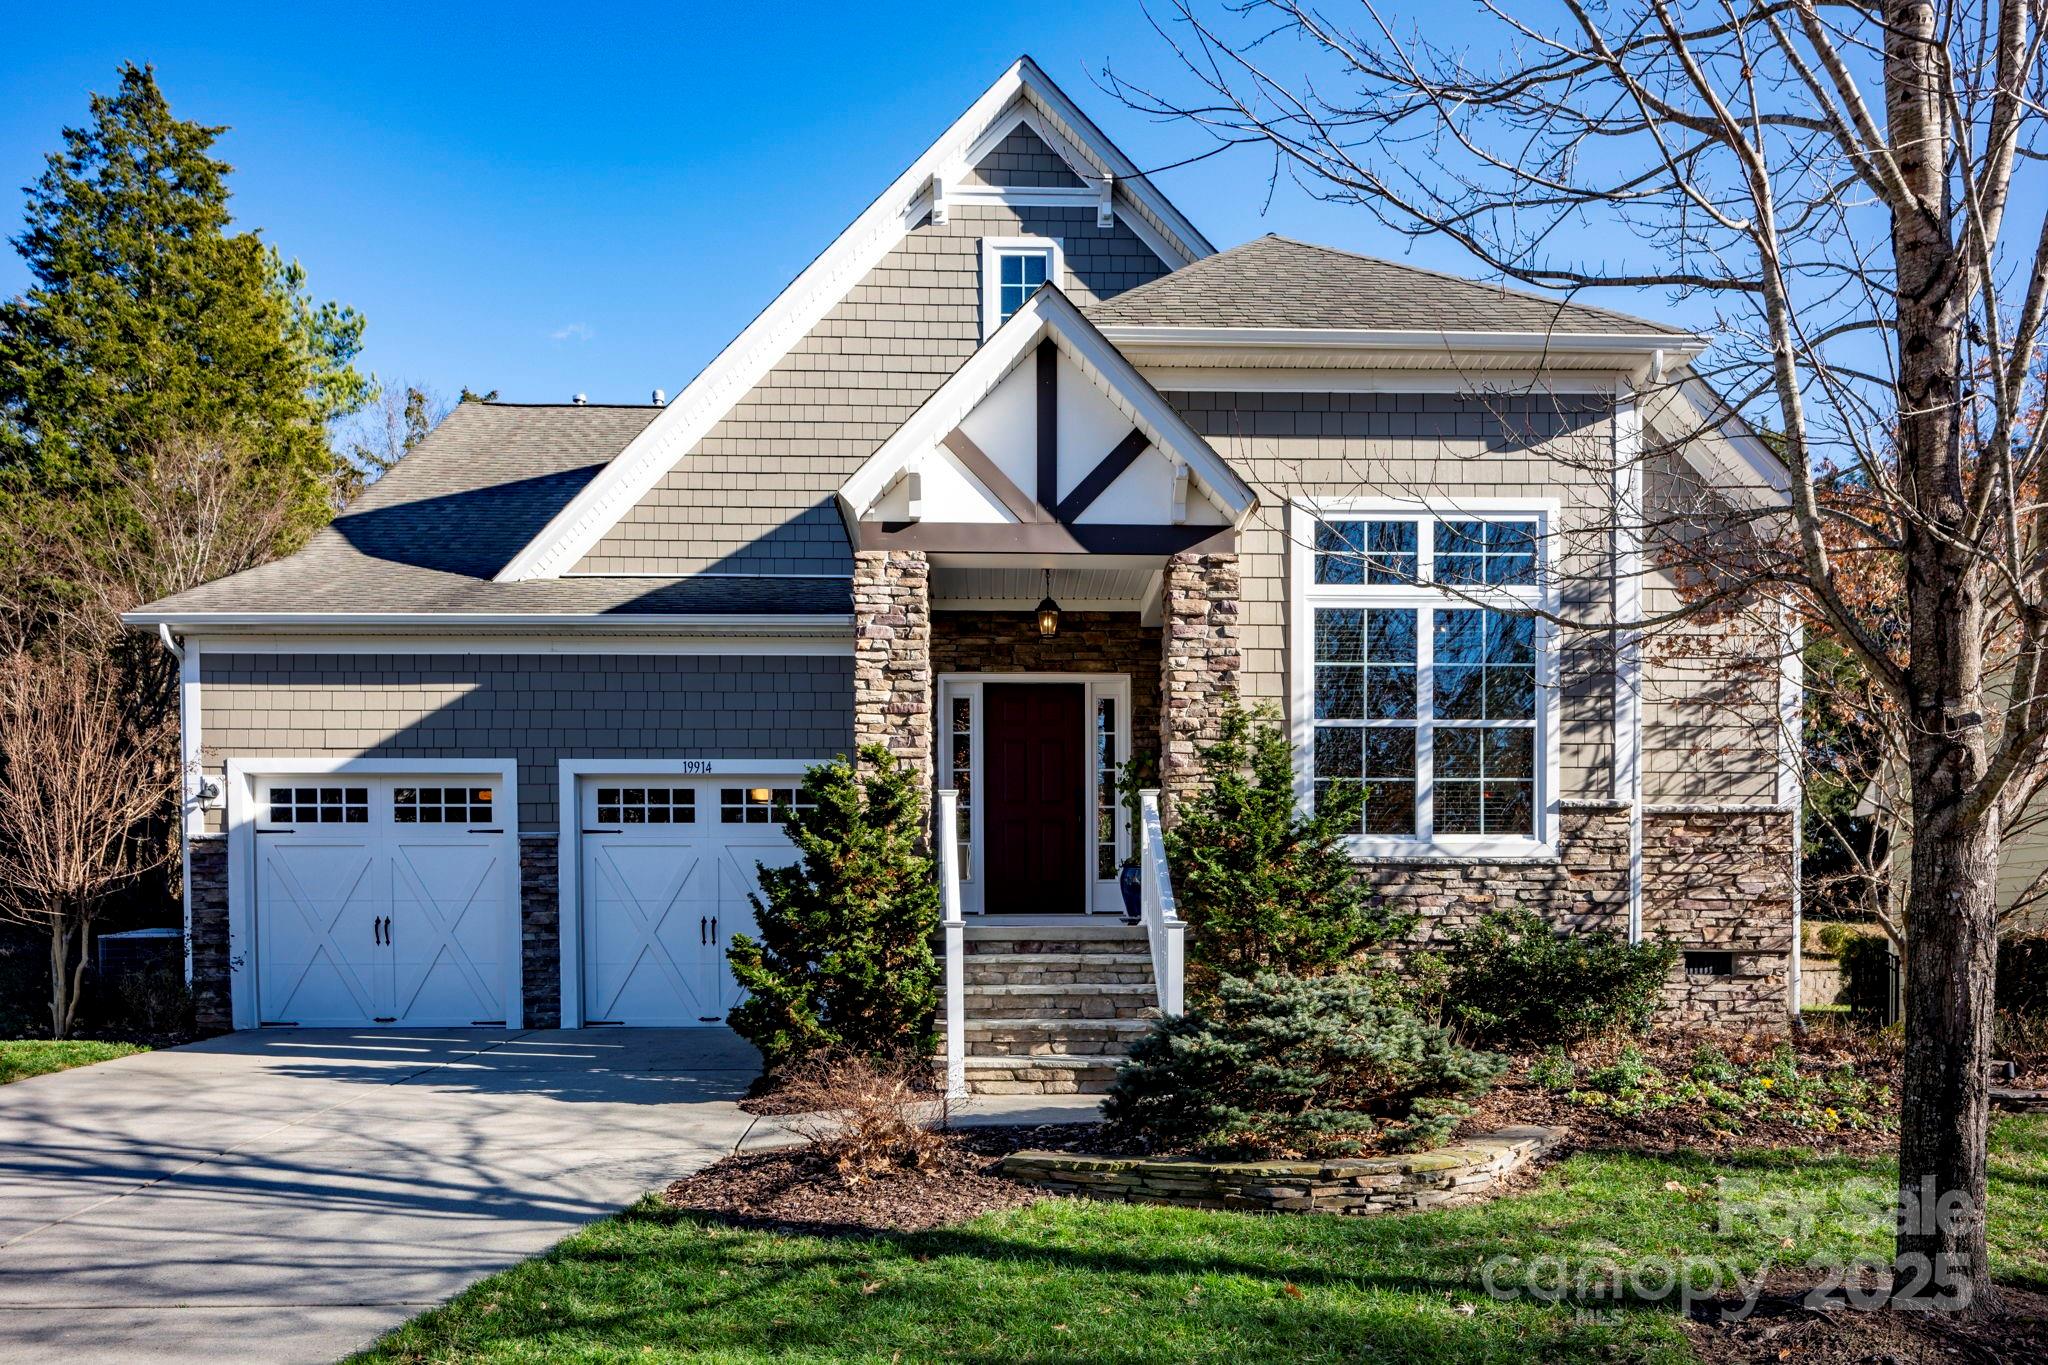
(1012, 269)
(1423, 674)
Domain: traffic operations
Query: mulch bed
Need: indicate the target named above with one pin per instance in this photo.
(1517, 1100)
(794, 1190)
(1785, 1326)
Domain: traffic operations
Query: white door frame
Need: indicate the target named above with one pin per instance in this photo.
(571, 773)
(1097, 897)
(242, 776)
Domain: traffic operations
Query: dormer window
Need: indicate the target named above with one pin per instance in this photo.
(1012, 269)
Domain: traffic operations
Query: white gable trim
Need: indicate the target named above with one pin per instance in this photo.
(1049, 314)
(573, 531)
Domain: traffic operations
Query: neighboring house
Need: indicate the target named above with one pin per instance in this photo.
(482, 751)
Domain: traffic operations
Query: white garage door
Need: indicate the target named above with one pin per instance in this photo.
(380, 900)
(667, 866)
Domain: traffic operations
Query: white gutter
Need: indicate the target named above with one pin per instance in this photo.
(1376, 339)
(696, 622)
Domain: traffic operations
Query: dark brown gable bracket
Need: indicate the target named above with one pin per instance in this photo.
(1101, 477)
(993, 478)
(1048, 423)
(1047, 538)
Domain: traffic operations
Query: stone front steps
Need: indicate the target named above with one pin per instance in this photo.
(1079, 1001)
(1052, 1006)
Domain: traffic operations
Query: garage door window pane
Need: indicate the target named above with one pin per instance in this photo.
(441, 805)
(318, 805)
(646, 806)
(759, 805)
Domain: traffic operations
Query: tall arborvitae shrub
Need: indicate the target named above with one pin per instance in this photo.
(1263, 884)
(843, 960)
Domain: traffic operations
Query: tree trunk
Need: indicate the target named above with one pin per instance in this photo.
(1952, 918)
(61, 1004)
(1951, 896)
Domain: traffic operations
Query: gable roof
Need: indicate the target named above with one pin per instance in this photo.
(1048, 315)
(432, 534)
(1275, 281)
(1022, 89)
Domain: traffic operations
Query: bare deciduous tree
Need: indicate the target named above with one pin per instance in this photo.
(80, 784)
(1833, 182)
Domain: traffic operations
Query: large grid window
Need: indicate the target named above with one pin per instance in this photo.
(1424, 668)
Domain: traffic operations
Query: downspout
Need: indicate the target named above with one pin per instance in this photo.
(1627, 592)
(188, 802)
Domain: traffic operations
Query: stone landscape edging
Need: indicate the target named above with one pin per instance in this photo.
(1462, 1173)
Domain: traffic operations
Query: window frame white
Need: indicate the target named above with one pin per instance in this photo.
(1305, 595)
(1098, 896)
(993, 250)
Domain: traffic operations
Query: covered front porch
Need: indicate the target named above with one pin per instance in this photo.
(1045, 592)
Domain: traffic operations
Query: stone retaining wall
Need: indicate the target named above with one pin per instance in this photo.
(1459, 1174)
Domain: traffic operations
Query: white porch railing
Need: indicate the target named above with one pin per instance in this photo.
(1164, 927)
(954, 925)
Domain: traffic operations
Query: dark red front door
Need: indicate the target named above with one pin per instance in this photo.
(1032, 804)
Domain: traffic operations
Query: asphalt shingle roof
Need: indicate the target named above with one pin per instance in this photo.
(430, 534)
(1275, 281)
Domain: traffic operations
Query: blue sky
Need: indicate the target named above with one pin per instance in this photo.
(554, 199)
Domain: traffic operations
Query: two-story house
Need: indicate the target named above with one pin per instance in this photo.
(1020, 477)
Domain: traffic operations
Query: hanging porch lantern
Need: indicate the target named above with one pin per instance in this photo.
(1048, 610)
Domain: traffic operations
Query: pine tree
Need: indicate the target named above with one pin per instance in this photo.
(844, 957)
(1263, 884)
(150, 319)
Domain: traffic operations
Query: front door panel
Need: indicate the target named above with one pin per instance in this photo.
(1032, 802)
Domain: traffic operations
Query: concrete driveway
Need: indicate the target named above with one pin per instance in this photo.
(289, 1195)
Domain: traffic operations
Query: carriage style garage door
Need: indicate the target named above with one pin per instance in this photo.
(666, 867)
(381, 900)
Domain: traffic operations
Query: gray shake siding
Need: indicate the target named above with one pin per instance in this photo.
(1022, 160)
(756, 494)
(535, 708)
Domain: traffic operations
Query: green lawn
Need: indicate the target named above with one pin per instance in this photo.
(1101, 1282)
(22, 1057)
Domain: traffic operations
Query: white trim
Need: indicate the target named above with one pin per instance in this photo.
(710, 573)
(569, 776)
(1304, 595)
(242, 880)
(1791, 728)
(1025, 196)
(1073, 137)
(571, 533)
(1049, 314)
(1627, 767)
(703, 622)
(1097, 896)
(993, 249)
(713, 646)
(1478, 385)
(1405, 339)
(191, 779)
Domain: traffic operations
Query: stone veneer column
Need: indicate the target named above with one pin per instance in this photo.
(540, 931)
(1198, 665)
(892, 657)
(206, 918)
